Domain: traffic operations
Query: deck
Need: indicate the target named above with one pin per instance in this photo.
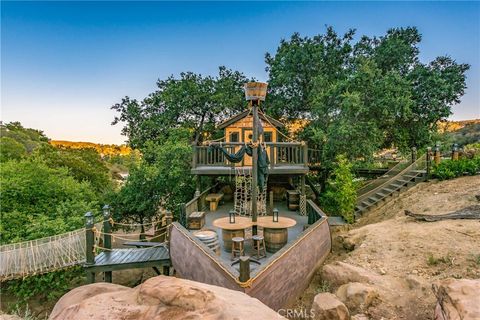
(287, 158)
(222, 211)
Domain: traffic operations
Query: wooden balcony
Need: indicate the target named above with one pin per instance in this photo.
(285, 158)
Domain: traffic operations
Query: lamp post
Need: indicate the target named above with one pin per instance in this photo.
(254, 93)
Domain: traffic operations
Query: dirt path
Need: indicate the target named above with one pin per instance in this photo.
(412, 253)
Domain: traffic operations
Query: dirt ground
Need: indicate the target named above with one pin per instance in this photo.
(398, 247)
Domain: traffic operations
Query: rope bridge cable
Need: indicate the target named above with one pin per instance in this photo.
(44, 255)
(22, 259)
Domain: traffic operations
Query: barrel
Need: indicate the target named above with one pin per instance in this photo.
(209, 238)
(275, 239)
(227, 236)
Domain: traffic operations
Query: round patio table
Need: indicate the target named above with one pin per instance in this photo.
(275, 233)
(232, 230)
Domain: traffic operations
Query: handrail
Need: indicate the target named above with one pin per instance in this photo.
(410, 167)
(314, 212)
(376, 182)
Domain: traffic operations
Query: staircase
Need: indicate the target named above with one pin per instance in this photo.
(398, 179)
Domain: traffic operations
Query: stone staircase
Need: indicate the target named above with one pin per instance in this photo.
(391, 184)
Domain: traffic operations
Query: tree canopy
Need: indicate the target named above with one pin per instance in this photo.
(365, 95)
(191, 101)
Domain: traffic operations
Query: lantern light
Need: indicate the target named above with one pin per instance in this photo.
(275, 215)
(231, 215)
(106, 211)
(89, 218)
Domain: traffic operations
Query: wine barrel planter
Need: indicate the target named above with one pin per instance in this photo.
(275, 239)
(227, 236)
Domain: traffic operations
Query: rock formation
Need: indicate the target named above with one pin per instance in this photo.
(159, 298)
(457, 299)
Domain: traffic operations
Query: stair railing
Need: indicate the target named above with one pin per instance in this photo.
(419, 164)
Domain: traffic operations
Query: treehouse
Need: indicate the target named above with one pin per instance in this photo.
(251, 226)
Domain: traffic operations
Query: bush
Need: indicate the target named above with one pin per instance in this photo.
(340, 194)
(449, 169)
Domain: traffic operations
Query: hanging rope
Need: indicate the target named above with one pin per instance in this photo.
(280, 132)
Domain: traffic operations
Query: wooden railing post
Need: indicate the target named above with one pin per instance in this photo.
(183, 215)
(414, 154)
(455, 151)
(168, 221)
(437, 154)
(89, 246)
(305, 154)
(244, 269)
(429, 162)
(107, 238)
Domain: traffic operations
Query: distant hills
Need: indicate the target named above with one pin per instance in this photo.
(102, 149)
(452, 126)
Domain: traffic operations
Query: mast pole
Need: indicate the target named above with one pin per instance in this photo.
(255, 164)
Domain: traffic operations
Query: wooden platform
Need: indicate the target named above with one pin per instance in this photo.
(120, 259)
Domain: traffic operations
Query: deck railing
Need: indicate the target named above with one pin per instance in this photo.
(314, 213)
(279, 154)
(196, 204)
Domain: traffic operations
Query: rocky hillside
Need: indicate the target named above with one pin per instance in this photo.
(385, 265)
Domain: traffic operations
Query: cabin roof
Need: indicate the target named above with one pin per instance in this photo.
(245, 113)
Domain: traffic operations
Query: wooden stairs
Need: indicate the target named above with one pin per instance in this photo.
(390, 186)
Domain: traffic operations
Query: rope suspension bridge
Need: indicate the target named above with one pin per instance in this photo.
(62, 251)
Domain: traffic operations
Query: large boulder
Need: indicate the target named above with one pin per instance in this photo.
(457, 299)
(326, 306)
(159, 298)
(339, 273)
(357, 296)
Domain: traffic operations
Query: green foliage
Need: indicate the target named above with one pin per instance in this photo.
(39, 201)
(10, 149)
(362, 96)
(193, 101)
(49, 286)
(433, 261)
(162, 179)
(340, 195)
(449, 169)
(83, 165)
(29, 138)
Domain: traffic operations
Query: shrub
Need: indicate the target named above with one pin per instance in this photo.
(340, 194)
(449, 169)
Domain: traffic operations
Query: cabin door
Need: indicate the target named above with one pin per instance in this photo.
(247, 138)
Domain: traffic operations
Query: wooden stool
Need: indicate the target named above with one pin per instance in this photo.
(259, 245)
(196, 220)
(237, 247)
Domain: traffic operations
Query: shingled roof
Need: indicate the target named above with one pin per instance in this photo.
(243, 114)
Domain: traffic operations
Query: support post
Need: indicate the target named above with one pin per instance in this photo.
(414, 154)
(454, 151)
(270, 198)
(89, 246)
(437, 155)
(254, 104)
(429, 162)
(183, 215)
(197, 185)
(107, 238)
(244, 269)
(303, 196)
(168, 220)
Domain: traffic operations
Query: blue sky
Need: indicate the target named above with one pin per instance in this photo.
(63, 64)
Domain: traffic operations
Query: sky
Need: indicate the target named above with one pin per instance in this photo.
(63, 64)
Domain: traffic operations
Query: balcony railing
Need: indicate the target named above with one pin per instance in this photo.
(279, 154)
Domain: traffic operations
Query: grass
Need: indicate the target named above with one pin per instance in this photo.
(323, 287)
(475, 258)
(433, 261)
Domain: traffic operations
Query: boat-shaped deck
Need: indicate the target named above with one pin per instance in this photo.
(278, 279)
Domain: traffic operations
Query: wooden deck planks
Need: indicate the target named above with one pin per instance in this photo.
(129, 256)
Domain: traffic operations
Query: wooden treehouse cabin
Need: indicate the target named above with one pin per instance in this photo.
(251, 226)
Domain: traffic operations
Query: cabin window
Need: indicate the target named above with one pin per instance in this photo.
(234, 137)
(267, 136)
